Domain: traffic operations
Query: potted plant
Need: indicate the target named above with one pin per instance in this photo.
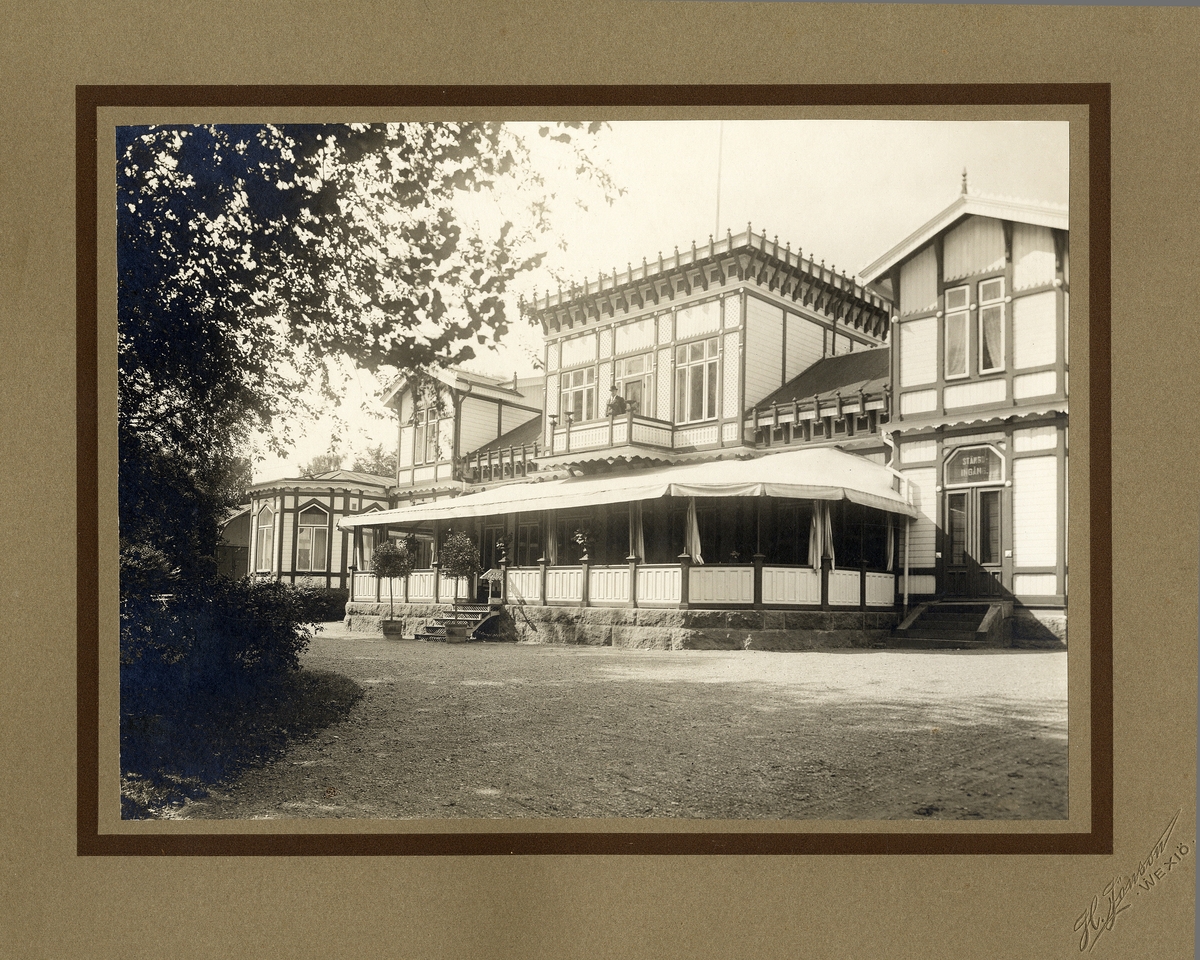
(459, 557)
(582, 537)
(394, 559)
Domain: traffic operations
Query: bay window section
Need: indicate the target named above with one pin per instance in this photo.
(426, 422)
(265, 539)
(312, 538)
(696, 381)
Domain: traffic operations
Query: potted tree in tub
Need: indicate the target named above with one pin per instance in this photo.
(459, 557)
(394, 559)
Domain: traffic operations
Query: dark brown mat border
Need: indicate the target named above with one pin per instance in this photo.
(90, 99)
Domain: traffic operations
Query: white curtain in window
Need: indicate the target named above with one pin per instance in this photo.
(692, 547)
(639, 535)
(552, 540)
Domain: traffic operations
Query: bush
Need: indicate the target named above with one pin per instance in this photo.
(222, 640)
(323, 604)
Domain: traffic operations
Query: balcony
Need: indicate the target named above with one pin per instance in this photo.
(632, 434)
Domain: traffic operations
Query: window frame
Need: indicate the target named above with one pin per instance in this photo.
(588, 387)
(960, 315)
(259, 529)
(312, 529)
(706, 363)
(427, 424)
(996, 303)
(645, 378)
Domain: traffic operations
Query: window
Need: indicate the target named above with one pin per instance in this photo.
(265, 540)
(785, 526)
(529, 544)
(991, 325)
(366, 559)
(312, 539)
(633, 382)
(579, 394)
(426, 419)
(957, 327)
(696, 381)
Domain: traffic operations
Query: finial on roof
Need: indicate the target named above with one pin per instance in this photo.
(964, 186)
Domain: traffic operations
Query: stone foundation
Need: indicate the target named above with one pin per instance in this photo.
(657, 629)
(368, 618)
(1039, 629)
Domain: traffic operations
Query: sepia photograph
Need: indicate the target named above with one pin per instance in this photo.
(687, 470)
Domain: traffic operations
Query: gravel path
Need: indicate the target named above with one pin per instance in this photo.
(508, 730)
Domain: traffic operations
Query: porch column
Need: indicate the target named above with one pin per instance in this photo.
(758, 578)
(907, 538)
(434, 563)
(824, 583)
(862, 583)
(503, 581)
(583, 587)
(542, 578)
(353, 570)
(685, 564)
(632, 558)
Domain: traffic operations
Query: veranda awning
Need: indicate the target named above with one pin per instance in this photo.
(819, 474)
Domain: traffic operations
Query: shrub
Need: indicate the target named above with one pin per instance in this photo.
(221, 640)
(322, 604)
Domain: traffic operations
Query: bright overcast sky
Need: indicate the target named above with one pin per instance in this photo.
(843, 190)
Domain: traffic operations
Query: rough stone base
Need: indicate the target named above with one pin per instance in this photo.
(1039, 629)
(368, 618)
(656, 629)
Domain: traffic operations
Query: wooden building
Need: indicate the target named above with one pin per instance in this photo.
(293, 525)
(743, 447)
(980, 377)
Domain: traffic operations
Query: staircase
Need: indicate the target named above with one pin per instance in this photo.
(952, 625)
(458, 626)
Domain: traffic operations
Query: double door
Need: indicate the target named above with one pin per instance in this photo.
(973, 557)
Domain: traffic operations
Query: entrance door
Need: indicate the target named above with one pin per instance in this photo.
(972, 560)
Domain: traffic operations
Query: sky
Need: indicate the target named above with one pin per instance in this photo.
(844, 191)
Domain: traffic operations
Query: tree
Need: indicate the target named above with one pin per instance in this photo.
(323, 463)
(459, 557)
(378, 460)
(250, 255)
(394, 559)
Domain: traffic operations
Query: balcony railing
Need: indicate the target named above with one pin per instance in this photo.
(509, 463)
(636, 584)
(626, 429)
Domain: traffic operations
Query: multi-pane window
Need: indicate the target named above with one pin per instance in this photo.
(579, 394)
(265, 538)
(529, 544)
(426, 421)
(633, 382)
(696, 381)
(312, 539)
(991, 325)
(958, 327)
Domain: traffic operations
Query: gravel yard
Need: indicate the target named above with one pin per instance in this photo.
(513, 730)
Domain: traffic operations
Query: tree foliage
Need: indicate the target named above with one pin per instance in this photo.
(248, 256)
(322, 463)
(394, 559)
(377, 460)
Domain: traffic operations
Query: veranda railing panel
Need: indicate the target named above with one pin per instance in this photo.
(713, 584)
(446, 592)
(659, 585)
(525, 586)
(881, 589)
(791, 585)
(844, 588)
(608, 585)
(564, 584)
(420, 586)
(364, 586)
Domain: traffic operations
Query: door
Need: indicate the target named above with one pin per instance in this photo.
(972, 559)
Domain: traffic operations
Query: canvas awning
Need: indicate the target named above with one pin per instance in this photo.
(818, 474)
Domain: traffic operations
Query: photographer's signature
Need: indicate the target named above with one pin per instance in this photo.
(1116, 897)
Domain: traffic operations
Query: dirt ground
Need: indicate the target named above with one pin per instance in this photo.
(510, 731)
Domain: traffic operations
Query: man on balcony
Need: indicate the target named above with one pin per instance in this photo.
(616, 403)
